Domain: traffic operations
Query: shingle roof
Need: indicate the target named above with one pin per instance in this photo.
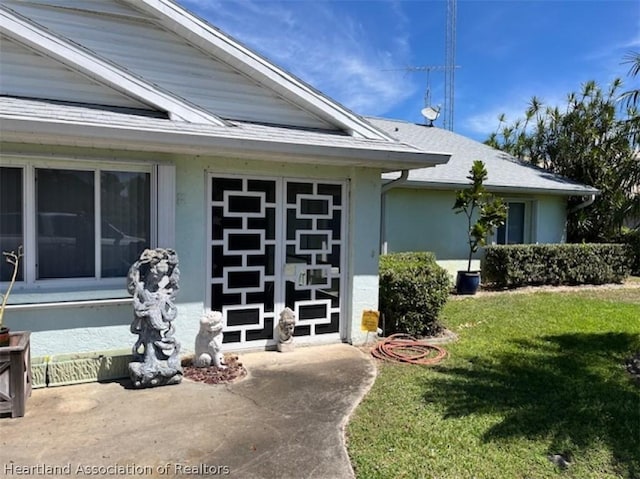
(505, 173)
(21, 118)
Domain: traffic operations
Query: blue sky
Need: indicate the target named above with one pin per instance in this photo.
(507, 51)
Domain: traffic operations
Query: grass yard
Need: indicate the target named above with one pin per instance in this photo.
(531, 375)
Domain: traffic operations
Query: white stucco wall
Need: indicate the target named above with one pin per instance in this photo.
(423, 220)
(88, 327)
(75, 329)
(551, 219)
(364, 248)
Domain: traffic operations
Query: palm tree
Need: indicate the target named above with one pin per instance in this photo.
(632, 97)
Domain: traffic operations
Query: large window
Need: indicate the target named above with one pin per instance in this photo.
(65, 227)
(85, 223)
(125, 224)
(514, 231)
(11, 221)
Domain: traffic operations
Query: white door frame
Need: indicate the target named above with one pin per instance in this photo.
(280, 242)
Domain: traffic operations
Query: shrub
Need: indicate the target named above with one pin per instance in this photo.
(554, 264)
(413, 290)
(632, 238)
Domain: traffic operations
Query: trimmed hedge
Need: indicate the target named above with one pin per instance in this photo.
(554, 264)
(413, 290)
(632, 238)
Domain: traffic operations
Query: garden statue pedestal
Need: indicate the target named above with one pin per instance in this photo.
(153, 282)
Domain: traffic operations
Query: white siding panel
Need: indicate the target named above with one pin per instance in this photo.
(25, 73)
(163, 58)
(101, 6)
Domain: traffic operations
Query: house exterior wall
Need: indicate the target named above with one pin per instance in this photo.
(423, 220)
(58, 328)
(364, 247)
(551, 219)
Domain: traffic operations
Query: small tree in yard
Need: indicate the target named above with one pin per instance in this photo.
(476, 203)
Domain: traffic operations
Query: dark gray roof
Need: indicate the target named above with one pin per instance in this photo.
(32, 120)
(505, 173)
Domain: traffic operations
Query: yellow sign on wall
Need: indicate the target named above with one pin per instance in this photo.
(370, 320)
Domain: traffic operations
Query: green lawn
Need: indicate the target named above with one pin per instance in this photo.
(531, 375)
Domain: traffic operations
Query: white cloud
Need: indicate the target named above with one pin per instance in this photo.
(615, 50)
(335, 53)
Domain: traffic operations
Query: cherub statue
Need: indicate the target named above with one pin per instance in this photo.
(286, 326)
(209, 341)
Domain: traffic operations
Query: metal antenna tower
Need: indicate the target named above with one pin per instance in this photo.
(450, 61)
(424, 68)
(448, 68)
(427, 93)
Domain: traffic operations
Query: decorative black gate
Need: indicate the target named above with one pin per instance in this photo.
(276, 243)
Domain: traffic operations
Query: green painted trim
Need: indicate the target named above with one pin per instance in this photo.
(65, 369)
(39, 372)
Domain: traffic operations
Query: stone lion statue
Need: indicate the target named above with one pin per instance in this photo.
(286, 326)
(209, 341)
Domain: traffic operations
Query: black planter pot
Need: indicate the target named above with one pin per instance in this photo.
(4, 336)
(467, 282)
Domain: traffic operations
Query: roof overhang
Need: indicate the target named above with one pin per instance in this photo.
(511, 189)
(384, 155)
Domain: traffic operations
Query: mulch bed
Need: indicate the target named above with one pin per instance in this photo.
(234, 371)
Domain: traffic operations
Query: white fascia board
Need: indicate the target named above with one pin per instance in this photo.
(56, 132)
(438, 185)
(198, 32)
(91, 65)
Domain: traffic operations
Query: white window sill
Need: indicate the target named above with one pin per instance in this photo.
(61, 299)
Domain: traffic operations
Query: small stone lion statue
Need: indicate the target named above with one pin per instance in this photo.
(209, 341)
(286, 326)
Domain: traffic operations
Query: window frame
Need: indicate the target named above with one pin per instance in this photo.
(29, 165)
(528, 222)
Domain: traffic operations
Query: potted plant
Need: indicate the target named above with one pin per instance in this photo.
(488, 212)
(13, 258)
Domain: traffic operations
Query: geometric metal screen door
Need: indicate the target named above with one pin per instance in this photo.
(276, 242)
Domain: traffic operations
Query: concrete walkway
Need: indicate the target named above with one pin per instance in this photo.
(285, 420)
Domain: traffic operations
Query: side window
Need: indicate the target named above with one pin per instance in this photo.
(513, 231)
(11, 220)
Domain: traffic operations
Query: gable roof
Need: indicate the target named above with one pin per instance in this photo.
(155, 54)
(164, 47)
(24, 70)
(212, 40)
(167, 81)
(85, 61)
(505, 172)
